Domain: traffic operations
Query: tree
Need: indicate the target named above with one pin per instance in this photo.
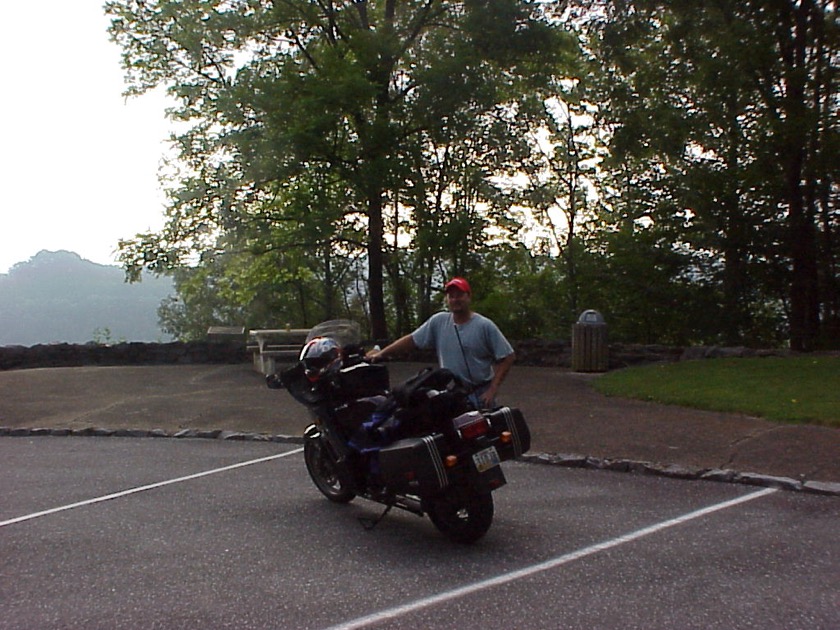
(800, 95)
(721, 118)
(272, 89)
(562, 170)
(282, 263)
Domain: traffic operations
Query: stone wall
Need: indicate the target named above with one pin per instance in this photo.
(533, 352)
(621, 355)
(70, 355)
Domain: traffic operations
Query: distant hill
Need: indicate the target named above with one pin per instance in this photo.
(60, 297)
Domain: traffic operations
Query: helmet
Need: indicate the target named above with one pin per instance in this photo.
(320, 356)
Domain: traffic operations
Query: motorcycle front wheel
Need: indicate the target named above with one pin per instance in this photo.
(324, 472)
(461, 516)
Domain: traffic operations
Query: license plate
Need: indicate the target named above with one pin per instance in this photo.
(486, 459)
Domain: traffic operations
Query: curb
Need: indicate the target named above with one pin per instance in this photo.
(678, 471)
(214, 434)
(673, 471)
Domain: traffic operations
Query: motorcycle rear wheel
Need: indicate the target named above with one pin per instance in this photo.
(324, 472)
(461, 516)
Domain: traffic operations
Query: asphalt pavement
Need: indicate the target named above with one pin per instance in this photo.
(167, 533)
(571, 423)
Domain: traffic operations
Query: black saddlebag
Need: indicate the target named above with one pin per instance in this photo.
(414, 465)
(362, 380)
(510, 420)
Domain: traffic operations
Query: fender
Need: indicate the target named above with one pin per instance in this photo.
(328, 440)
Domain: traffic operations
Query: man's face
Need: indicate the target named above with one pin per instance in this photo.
(457, 300)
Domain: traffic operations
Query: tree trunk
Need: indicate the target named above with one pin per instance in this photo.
(378, 322)
(804, 295)
(804, 291)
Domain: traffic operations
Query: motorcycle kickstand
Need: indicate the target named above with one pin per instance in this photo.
(370, 523)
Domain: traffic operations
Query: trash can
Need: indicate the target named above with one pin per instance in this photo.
(590, 352)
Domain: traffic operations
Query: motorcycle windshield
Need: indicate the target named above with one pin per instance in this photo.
(310, 392)
(346, 332)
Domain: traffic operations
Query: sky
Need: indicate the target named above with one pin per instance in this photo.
(78, 162)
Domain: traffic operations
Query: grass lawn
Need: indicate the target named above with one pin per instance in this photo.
(798, 389)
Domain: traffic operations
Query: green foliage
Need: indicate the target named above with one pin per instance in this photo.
(522, 293)
(273, 90)
(667, 164)
(273, 289)
(796, 389)
(103, 336)
(721, 117)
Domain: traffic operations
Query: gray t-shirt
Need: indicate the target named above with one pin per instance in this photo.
(482, 341)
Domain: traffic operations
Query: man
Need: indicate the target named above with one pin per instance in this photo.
(467, 343)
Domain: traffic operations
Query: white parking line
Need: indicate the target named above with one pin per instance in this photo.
(392, 613)
(151, 486)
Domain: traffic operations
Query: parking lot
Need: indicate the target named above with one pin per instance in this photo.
(166, 533)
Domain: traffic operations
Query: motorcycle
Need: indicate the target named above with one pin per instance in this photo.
(419, 446)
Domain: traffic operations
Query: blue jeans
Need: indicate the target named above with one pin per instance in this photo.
(475, 397)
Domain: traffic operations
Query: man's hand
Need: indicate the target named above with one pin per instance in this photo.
(488, 397)
(400, 346)
(374, 356)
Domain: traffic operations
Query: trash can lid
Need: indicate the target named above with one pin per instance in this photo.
(591, 317)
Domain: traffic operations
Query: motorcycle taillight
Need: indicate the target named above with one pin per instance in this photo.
(474, 430)
(471, 425)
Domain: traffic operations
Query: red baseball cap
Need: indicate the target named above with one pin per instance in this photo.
(458, 283)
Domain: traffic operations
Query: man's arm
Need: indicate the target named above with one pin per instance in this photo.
(400, 346)
(500, 371)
